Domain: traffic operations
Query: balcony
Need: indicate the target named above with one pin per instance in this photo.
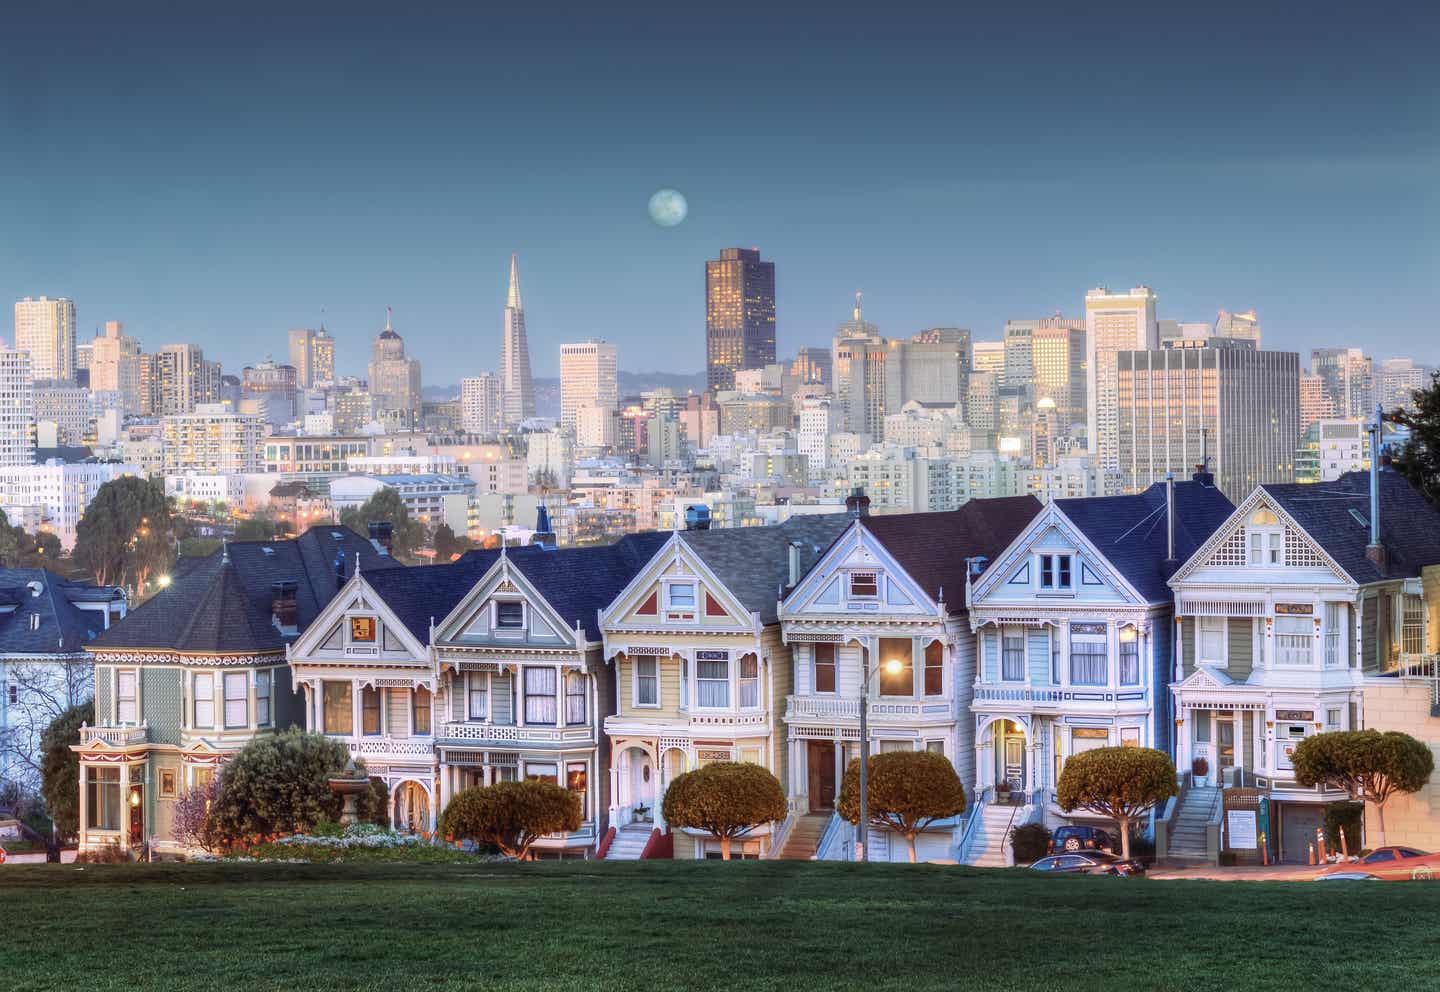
(386, 747)
(511, 736)
(832, 709)
(113, 736)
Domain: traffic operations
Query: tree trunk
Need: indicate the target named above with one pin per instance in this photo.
(910, 839)
(724, 847)
(1380, 816)
(1125, 837)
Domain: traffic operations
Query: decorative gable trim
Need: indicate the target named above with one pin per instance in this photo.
(1228, 542)
(356, 595)
(1048, 520)
(855, 548)
(504, 578)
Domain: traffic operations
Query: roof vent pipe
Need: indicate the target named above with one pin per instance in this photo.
(1375, 551)
(1169, 516)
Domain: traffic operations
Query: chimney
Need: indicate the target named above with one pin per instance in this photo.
(339, 566)
(1169, 516)
(697, 517)
(1375, 551)
(544, 536)
(794, 562)
(284, 608)
(382, 535)
(857, 504)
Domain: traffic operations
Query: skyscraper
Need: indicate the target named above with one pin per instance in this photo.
(1057, 348)
(17, 408)
(1229, 403)
(932, 367)
(1114, 322)
(739, 315)
(183, 379)
(858, 357)
(1349, 381)
(312, 354)
(394, 379)
(1238, 325)
(515, 378)
(589, 376)
(482, 406)
(46, 329)
(115, 366)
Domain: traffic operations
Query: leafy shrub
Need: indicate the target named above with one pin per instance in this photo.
(1351, 816)
(111, 854)
(60, 768)
(511, 815)
(907, 791)
(726, 799)
(1030, 842)
(280, 785)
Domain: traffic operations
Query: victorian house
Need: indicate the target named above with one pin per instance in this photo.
(1304, 593)
(883, 614)
(1074, 627)
(197, 672)
(702, 672)
(486, 670)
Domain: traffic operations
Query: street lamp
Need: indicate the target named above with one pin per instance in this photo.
(893, 666)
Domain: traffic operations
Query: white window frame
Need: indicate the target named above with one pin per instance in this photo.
(850, 592)
(120, 698)
(264, 701)
(239, 679)
(1013, 633)
(702, 683)
(477, 683)
(653, 679)
(1134, 644)
(508, 631)
(752, 683)
(572, 678)
(1294, 647)
(694, 591)
(1223, 634)
(834, 667)
(1048, 571)
(196, 681)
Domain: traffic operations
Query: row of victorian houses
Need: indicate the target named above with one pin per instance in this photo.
(1025, 634)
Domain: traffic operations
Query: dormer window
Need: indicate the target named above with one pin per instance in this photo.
(1265, 540)
(864, 585)
(509, 615)
(1057, 572)
(680, 596)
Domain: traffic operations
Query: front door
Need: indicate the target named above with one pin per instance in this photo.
(137, 816)
(1225, 748)
(822, 776)
(1015, 761)
(642, 785)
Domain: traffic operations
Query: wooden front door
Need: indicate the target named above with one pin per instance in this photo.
(822, 776)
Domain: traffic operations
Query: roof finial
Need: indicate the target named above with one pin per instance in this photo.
(357, 564)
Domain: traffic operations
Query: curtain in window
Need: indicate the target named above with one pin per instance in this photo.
(204, 694)
(125, 697)
(647, 689)
(574, 698)
(712, 683)
(749, 681)
(1012, 657)
(337, 705)
(1087, 662)
(1130, 661)
(237, 699)
(824, 668)
(539, 695)
(477, 696)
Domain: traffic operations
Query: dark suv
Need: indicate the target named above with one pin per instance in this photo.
(1081, 839)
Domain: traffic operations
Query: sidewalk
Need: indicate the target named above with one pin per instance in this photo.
(1243, 873)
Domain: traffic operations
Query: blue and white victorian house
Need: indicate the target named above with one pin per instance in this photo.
(1073, 623)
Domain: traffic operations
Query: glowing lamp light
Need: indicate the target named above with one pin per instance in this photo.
(135, 798)
(894, 666)
(1128, 634)
(164, 581)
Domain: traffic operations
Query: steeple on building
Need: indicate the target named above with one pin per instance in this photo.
(518, 387)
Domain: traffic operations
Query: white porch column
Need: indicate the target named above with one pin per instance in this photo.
(124, 804)
(1239, 718)
(84, 803)
(560, 699)
(1183, 733)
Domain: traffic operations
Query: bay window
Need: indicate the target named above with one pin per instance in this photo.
(126, 710)
(647, 682)
(934, 669)
(337, 704)
(902, 682)
(712, 682)
(237, 700)
(1088, 659)
(1129, 656)
(203, 693)
(1012, 656)
(824, 664)
(575, 691)
(370, 711)
(1294, 641)
(420, 711)
(263, 715)
(749, 681)
(477, 695)
(539, 695)
(102, 798)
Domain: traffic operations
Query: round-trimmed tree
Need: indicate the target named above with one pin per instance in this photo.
(908, 791)
(1119, 783)
(726, 799)
(1370, 766)
(280, 784)
(511, 815)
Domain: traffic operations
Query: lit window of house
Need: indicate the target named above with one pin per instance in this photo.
(1129, 656)
(1266, 539)
(896, 680)
(337, 704)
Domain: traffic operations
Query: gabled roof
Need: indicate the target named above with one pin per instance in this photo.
(932, 547)
(222, 603)
(63, 627)
(754, 562)
(576, 582)
(1131, 531)
(1336, 515)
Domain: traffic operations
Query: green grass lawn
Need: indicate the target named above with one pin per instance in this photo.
(698, 925)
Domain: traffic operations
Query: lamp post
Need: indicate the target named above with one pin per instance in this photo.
(894, 666)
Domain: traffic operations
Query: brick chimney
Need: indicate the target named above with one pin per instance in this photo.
(857, 504)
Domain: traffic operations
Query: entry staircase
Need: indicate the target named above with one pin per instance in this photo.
(629, 842)
(804, 837)
(1186, 844)
(990, 847)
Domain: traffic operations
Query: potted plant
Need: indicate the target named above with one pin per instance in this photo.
(1199, 768)
(642, 814)
(1002, 791)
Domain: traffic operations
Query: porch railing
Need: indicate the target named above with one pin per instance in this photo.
(1426, 667)
(508, 733)
(1017, 694)
(824, 708)
(115, 736)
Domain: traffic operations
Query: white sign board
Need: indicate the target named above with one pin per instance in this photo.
(1242, 828)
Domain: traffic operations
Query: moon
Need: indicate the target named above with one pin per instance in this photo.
(668, 207)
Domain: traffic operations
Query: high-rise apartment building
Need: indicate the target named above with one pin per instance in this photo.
(988, 356)
(739, 315)
(818, 421)
(933, 367)
(1245, 326)
(394, 379)
(482, 406)
(65, 408)
(1315, 402)
(515, 380)
(858, 357)
(1114, 322)
(1231, 406)
(312, 354)
(212, 440)
(182, 379)
(1019, 357)
(1397, 381)
(589, 376)
(46, 329)
(17, 408)
(1348, 380)
(115, 366)
(1057, 355)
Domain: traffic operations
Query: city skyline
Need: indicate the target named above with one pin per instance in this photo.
(1000, 199)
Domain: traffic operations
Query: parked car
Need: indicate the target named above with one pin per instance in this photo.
(1088, 863)
(1077, 838)
(1390, 864)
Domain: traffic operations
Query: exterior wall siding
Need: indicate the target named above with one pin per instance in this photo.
(104, 695)
(1162, 702)
(1241, 658)
(1187, 640)
(1412, 819)
(782, 675)
(160, 693)
(1039, 651)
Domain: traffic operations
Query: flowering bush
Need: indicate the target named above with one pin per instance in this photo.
(192, 825)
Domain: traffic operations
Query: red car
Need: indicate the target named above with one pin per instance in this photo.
(1389, 864)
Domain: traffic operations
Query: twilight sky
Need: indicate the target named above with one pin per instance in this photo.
(223, 177)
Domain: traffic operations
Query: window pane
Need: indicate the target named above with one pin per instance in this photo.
(124, 697)
(420, 703)
(509, 615)
(681, 595)
(541, 773)
(338, 707)
(1012, 658)
(712, 683)
(824, 668)
(236, 699)
(646, 688)
(1087, 662)
(539, 695)
(204, 691)
(902, 682)
(864, 584)
(1129, 660)
(749, 681)
(262, 699)
(369, 711)
(574, 698)
(477, 696)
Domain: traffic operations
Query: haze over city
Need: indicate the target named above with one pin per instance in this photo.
(222, 177)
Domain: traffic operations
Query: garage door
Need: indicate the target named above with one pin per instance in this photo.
(1297, 830)
(929, 846)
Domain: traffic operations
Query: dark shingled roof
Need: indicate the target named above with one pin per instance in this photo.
(1337, 516)
(932, 547)
(63, 626)
(1130, 531)
(754, 562)
(222, 603)
(575, 582)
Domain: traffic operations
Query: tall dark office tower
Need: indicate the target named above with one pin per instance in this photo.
(739, 315)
